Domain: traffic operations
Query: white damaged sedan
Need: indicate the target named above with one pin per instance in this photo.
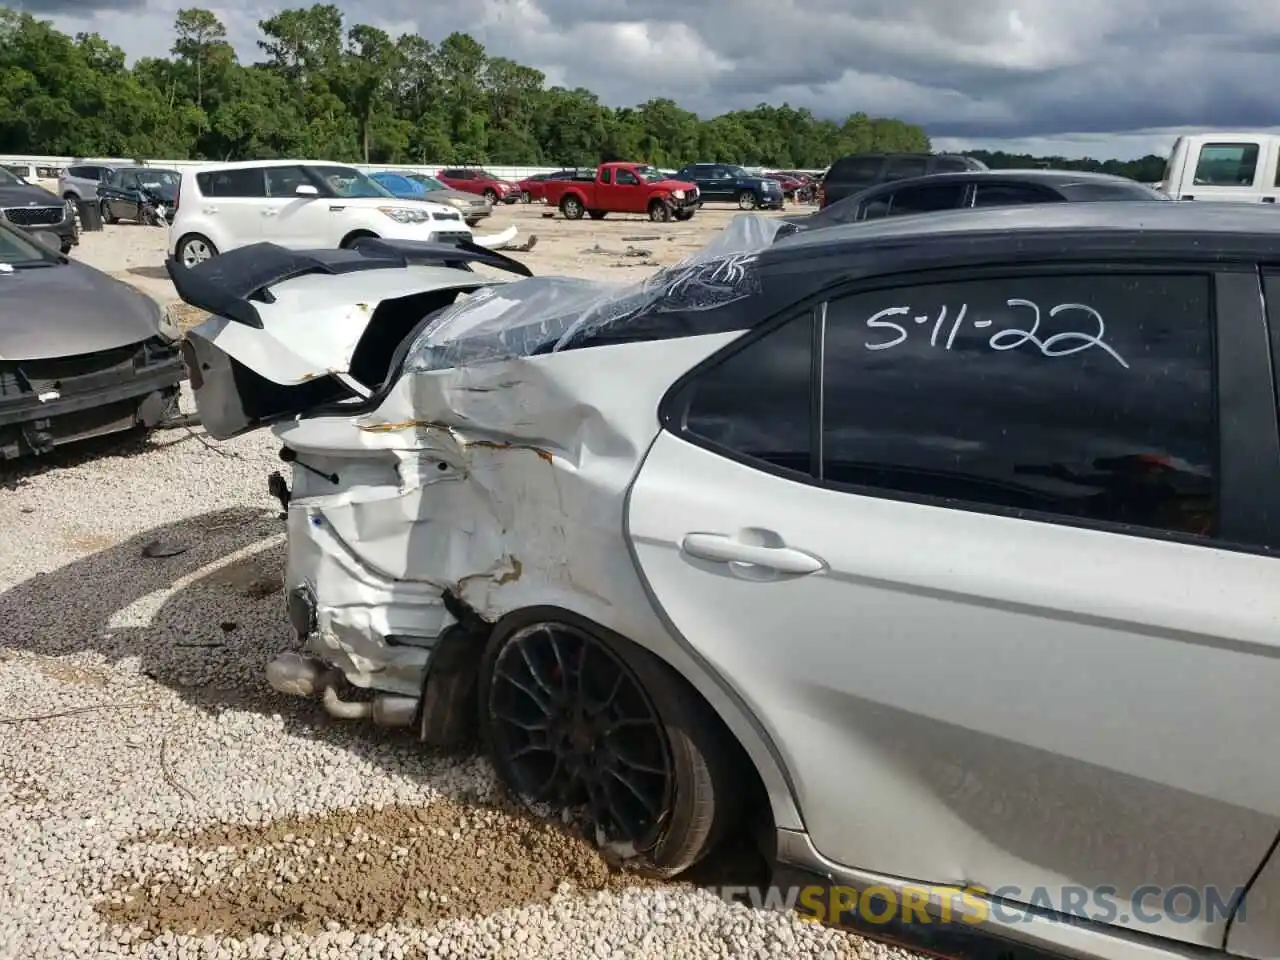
(820, 538)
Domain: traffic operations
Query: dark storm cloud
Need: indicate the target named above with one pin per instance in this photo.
(49, 8)
(995, 68)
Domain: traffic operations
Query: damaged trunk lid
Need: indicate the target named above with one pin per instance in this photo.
(294, 331)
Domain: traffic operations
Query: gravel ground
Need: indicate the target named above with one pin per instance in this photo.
(157, 799)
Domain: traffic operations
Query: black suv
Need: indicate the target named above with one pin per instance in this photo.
(730, 183)
(978, 188)
(858, 171)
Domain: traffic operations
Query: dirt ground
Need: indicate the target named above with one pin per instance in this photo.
(621, 247)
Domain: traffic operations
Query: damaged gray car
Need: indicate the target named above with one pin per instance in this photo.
(937, 553)
(81, 353)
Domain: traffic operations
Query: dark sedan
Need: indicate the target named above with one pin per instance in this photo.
(975, 188)
(128, 189)
(81, 353)
(36, 210)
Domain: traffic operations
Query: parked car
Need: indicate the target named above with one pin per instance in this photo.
(36, 210)
(302, 205)
(418, 186)
(623, 188)
(725, 182)
(81, 353)
(472, 180)
(129, 192)
(80, 181)
(978, 188)
(533, 188)
(858, 171)
(1053, 429)
(789, 183)
(1233, 167)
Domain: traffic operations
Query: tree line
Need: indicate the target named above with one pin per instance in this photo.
(351, 92)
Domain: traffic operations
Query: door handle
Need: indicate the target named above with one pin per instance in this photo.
(721, 549)
(271, 213)
(210, 209)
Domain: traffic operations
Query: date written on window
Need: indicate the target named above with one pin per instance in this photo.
(945, 327)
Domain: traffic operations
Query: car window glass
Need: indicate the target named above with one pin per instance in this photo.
(899, 168)
(242, 182)
(285, 181)
(1008, 195)
(1101, 411)
(606, 175)
(1227, 165)
(757, 402)
(855, 169)
(129, 180)
(927, 199)
(876, 207)
(950, 165)
(84, 172)
(627, 177)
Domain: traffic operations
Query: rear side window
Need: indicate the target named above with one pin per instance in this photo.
(855, 170)
(244, 182)
(900, 168)
(1085, 397)
(88, 173)
(285, 181)
(1227, 165)
(927, 199)
(606, 175)
(758, 402)
(951, 165)
(1010, 194)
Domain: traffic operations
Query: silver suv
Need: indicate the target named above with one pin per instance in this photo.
(80, 180)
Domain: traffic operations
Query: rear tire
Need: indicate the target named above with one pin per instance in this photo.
(526, 196)
(350, 240)
(194, 248)
(643, 747)
(107, 216)
(571, 208)
(492, 197)
(659, 212)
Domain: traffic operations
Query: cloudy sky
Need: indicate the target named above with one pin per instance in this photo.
(1094, 78)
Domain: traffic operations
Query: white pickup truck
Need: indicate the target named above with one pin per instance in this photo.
(1240, 167)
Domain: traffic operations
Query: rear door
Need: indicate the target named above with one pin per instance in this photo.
(1006, 611)
(232, 202)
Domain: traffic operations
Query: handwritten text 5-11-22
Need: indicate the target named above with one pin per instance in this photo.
(943, 334)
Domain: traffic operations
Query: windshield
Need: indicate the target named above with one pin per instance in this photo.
(156, 179)
(350, 182)
(7, 179)
(650, 174)
(15, 249)
(431, 183)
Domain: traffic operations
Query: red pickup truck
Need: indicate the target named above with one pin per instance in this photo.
(624, 188)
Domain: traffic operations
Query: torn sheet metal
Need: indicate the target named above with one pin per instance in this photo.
(495, 468)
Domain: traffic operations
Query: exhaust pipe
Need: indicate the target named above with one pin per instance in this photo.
(298, 675)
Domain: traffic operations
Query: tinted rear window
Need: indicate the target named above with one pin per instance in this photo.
(1110, 191)
(855, 169)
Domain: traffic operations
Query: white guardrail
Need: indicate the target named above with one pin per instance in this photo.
(45, 168)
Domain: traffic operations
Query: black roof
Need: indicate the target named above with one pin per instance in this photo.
(1038, 232)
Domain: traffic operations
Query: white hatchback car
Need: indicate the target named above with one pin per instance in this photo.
(302, 205)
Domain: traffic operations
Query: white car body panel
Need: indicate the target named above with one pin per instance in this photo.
(981, 610)
(312, 330)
